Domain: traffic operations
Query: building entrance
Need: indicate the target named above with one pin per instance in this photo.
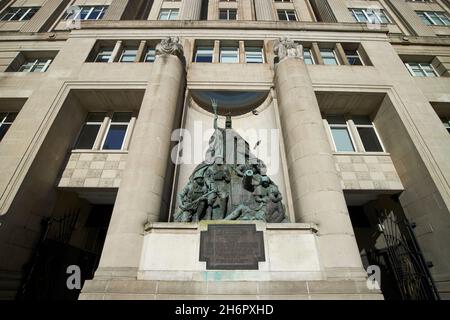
(386, 239)
(69, 240)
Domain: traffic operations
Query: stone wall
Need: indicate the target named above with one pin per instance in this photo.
(367, 172)
(93, 170)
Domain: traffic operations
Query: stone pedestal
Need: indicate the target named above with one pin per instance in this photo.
(140, 194)
(170, 269)
(171, 252)
(316, 190)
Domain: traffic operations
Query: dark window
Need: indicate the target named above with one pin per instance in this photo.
(117, 131)
(368, 134)
(19, 13)
(353, 57)
(227, 14)
(370, 139)
(90, 129)
(6, 120)
(204, 54)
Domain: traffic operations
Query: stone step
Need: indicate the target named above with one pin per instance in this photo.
(150, 290)
(9, 284)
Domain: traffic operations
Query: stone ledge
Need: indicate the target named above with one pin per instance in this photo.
(203, 225)
(149, 290)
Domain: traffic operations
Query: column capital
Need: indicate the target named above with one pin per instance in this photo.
(287, 48)
(170, 46)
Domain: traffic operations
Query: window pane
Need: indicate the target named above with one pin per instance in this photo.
(97, 13)
(446, 123)
(362, 120)
(282, 15)
(204, 54)
(84, 13)
(353, 58)
(307, 56)
(223, 15)
(328, 56)
(26, 67)
(11, 117)
(291, 16)
(19, 13)
(253, 55)
(3, 129)
(96, 117)
(128, 55)
(383, 17)
(359, 16)
(173, 14)
(424, 19)
(229, 55)
(28, 14)
(121, 117)
(369, 139)
(150, 56)
(104, 54)
(204, 58)
(428, 70)
(232, 14)
(443, 16)
(40, 66)
(87, 136)
(415, 69)
(114, 138)
(342, 139)
(336, 120)
(164, 15)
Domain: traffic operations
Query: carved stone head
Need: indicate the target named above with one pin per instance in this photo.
(286, 48)
(170, 46)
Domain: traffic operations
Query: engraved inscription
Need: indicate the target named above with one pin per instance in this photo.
(232, 247)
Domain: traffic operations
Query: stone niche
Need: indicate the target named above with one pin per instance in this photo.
(171, 251)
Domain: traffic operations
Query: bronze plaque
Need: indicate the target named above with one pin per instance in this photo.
(232, 247)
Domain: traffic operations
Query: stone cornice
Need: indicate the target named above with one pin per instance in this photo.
(218, 24)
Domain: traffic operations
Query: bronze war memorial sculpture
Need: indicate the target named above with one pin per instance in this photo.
(230, 184)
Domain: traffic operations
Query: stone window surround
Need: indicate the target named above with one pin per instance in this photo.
(102, 132)
(119, 45)
(354, 136)
(285, 11)
(171, 12)
(434, 58)
(223, 43)
(24, 57)
(432, 22)
(314, 47)
(421, 67)
(228, 11)
(75, 14)
(12, 7)
(143, 45)
(339, 50)
(386, 15)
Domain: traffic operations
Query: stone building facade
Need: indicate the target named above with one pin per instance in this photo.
(88, 108)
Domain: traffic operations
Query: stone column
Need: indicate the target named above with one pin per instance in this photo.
(140, 193)
(316, 189)
(191, 9)
(264, 10)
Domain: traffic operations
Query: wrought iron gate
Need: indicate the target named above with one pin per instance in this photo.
(405, 259)
(43, 270)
